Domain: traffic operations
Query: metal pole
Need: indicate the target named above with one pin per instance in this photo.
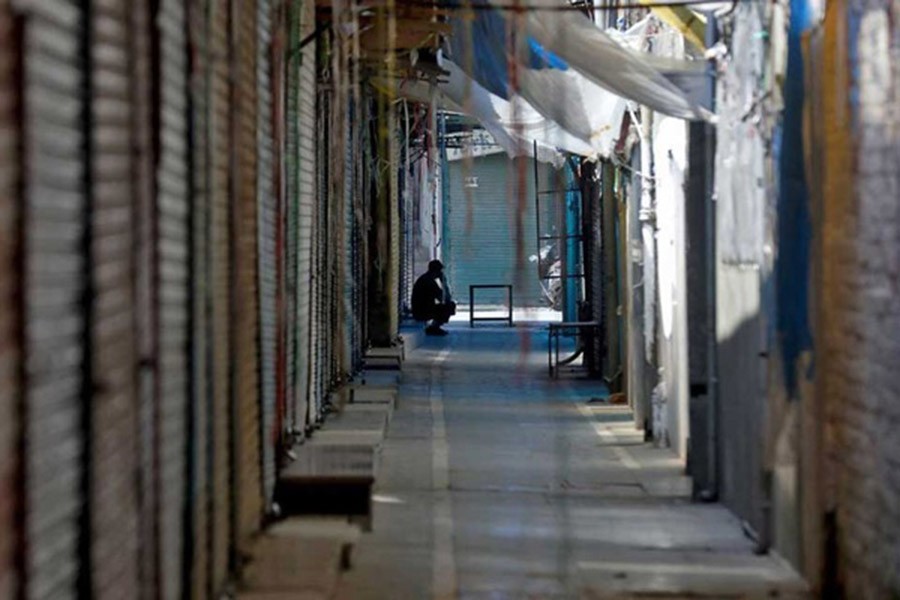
(712, 382)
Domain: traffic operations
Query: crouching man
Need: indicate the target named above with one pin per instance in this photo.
(431, 299)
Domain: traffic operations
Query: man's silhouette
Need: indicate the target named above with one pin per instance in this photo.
(431, 299)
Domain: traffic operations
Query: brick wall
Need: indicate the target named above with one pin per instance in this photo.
(859, 348)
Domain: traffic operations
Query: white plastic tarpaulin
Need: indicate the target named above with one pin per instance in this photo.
(515, 124)
(577, 40)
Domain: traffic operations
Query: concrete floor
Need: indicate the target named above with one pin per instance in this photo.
(496, 482)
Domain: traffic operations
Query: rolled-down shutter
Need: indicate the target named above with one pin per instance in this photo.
(320, 315)
(246, 309)
(114, 500)
(200, 478)
(220, 289)
(394, 210)
(307, 331)
(54, 216)
(268, 252)
(347, 284)
(145, 285)
(173, 263)
(290, 211)
(480, 228)
(10, 352)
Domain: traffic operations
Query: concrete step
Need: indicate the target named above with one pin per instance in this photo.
(369, 377)
(290, 566)
(329, 479)
(374, 394)
(321, 528)
(359, 419)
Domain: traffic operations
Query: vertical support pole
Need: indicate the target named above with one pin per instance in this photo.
(610, 275)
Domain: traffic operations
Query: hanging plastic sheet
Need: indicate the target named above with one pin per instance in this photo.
(593, 113)
(515, 125)
(740, 148)
(574, 38)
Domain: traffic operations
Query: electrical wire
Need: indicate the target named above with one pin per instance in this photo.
(517, 7)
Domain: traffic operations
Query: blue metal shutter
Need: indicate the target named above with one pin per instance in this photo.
(54, 209)
(480, 236)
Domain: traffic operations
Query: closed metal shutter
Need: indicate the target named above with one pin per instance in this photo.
(220, 288)
(268, 271)
(394, 212)
(173, 256)
(114, 510)
(321, 276)
(54, 215)
(480, 233)
(200, 480)
(246, 294)
(307, 331)
(358, 232)
(145, 305)
(10, 358)
(291, 211)
(347, 284)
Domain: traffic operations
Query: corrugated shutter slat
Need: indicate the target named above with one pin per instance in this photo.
(173, 297)
(114, 527)
(54, 284)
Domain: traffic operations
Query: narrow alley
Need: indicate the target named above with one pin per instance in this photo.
(411, 299)
(496, 482)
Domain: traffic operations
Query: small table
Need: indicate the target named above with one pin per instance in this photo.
(509, 294)
(556, 330)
